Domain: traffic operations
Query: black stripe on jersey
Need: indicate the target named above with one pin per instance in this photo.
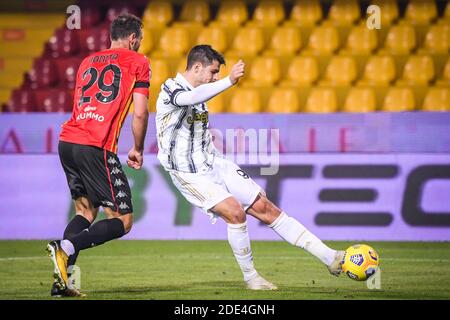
(142, 84)
(174, 96)
(191, 144)
(173, 139)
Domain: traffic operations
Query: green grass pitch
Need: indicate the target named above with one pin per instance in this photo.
(168, 270)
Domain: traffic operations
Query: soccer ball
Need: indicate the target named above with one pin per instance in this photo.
(360, 262)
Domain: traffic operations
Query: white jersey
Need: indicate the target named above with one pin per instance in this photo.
(184, 141)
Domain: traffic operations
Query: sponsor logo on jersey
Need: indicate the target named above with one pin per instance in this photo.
(202, 117)
(90, 115)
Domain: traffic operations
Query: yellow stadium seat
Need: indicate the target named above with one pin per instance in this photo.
(306, 13)
(232, 12)
(302, 71)
(158, 12)
(217, 104)
(341, 71)
(4, 96)
(344, 12)
(447, 12)
(286, 41)
(399, 99)
(361, 40)
(360, 100)
(249, 41)
(174, 42)
(401, 39)
(379, 70)
(147, 43)
(283, 100)
(389, 11)
(437, 99)
(321, 100)
(323, 40)
(437, 39)
(444, 80)
(214, 36)
(10, 80)
(265, 71)
(229, 62)
(418, 70)
(195, 11)
(421, 11)
(32, 20)
(245, 100)
(268, 13)
(160, 73)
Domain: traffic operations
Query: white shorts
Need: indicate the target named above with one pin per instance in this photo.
(207, 188)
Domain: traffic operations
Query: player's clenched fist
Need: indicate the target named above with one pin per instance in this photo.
(237, 71)
(135, 159)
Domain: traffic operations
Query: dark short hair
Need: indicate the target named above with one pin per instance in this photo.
(124, 25)
(204, 54)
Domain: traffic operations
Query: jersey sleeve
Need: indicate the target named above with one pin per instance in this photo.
(143, 75)
(172, 90)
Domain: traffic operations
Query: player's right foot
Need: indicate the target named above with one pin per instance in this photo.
(259, 283)
(59, 259)
(56, 292)
(335, 267)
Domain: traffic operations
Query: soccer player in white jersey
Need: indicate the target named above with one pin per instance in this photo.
(210, 181)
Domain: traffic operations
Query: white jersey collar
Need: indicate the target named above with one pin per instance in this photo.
(180, 78)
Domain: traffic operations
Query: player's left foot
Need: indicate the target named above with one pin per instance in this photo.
(335, 267)
(59, 259)
(259, 283)
(56, 292)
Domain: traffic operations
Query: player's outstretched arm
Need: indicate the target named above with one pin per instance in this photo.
(207, 91)
(139, 128)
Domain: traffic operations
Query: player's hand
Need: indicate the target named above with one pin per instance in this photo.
(237, 71)
(135, 159)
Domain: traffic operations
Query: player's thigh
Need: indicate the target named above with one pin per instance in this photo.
(201, 190)
(104, 179)
(239, 183)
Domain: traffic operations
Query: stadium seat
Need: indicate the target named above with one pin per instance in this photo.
(63, 43)
(418, 70)
(437, 99)
(90, 16)
(268, 13)
(306, 13)
(160, 73)
(249, 41)
(379, 70)
(232, 12)
(444, 80)
(360, 100)
(401, 39)
(214, 36)
(158, 12)
(195, 11)
(174, 42)
(21, 101)
(116, 10)
(302, 71)
(421, 11)
(286, 41)
(57, 101)
(437, 40)
(399, 99)
(217, 104)
(344, 12)
(94, 39)
(283, 100)
(245, 100)
(147, 44)
(42, 75)
(341, 71)
(361, 40)
(389, 11)
(321, 100)
(324, 40)
(265, 71)
(67, 71)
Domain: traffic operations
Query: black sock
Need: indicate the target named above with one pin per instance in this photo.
(75, 226)
(99, 233)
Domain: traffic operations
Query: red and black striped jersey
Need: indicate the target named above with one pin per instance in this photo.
(104, 90)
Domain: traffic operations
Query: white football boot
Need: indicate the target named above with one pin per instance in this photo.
(335, 267)
(259, 283)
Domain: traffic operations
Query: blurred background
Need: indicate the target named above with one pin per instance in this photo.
(362, 116)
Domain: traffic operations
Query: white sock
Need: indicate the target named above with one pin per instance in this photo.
(296, 234)
(240, 244)
(67, 246)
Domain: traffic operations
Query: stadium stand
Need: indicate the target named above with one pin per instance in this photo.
(301, 56)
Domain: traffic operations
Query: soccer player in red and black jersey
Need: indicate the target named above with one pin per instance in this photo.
(107, 82)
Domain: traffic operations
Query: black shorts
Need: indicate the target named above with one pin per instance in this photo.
(96, 174)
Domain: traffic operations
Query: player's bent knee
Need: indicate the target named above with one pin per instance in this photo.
(127, 220)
